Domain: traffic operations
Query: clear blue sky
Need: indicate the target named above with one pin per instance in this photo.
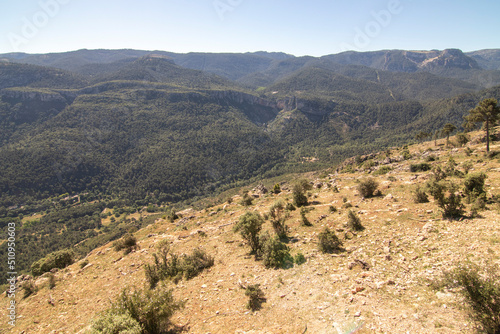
(314, 27)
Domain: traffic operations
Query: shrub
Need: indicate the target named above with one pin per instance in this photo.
(382, 170)
(299, 258)
(277, 188)
(367, 187)
(474, 186)
(438, 174)
(255, 297)
(299, 198)
(52, 281)
(249, 226)
(332, 209)
(328, 242)
(481, 292)
(304, 220)
(419, 196)
(152, 309)
(246, 200)
(290, 207)
(406, 154)
(335, 189)
(127, 243)
(353, 222)
(461, 138)
(60, 259)
(430, 158)
(29, 288)
(195, 263)
(275, 254)
(171, 266)
(447, 200)
(421, 167)
(110, 323)
(468, 151)
(171, 215)
(278, 218)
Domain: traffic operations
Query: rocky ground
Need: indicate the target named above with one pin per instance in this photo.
(379, 284)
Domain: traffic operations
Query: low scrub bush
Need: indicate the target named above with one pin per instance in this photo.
(328, 242)
(367, 187)
(168, 265)
(299, 197)
(152, 309)
(246, 199)
(474, 186)
(382, 170)
(60, 259)
(110, 323)
(127, 244)
(447, 199)
(255, 297)
(353, 222)
(303, 219)
(275, 254)
(29, 288)
(278, 217)
(481, 292)
(420, 196)
(421, 167)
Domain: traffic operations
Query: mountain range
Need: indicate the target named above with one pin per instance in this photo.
(158, 126)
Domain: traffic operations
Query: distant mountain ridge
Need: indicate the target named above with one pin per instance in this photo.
(260, 66)
(165, 126)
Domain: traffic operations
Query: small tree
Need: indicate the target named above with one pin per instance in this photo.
(487, 112)
(462, 139)
(275, 254)
(110, 323)
(249, 226)
(447, 130)
(422, 135)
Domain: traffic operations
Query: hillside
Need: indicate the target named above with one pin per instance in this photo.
(379, 282)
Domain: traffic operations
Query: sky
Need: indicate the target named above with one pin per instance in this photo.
(314, 27)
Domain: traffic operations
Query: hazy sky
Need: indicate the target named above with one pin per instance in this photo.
(314, 27)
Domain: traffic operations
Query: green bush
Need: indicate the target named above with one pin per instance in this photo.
(275, 254)
(255, 297)
(444, 194)
(278, 217)
(481, 292)
(304, 220)
(110, 323)
(277, 188)
(127, 243)
(246, 200)
(367, 187)
(152, 309)
(167, 265)
(60, 259)
(474, 186)
(299, 198)
(249, 226)
(419, 196)
(382, 170)
(299, 258)
(353, 222)
(328, 242)
(421, 167)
